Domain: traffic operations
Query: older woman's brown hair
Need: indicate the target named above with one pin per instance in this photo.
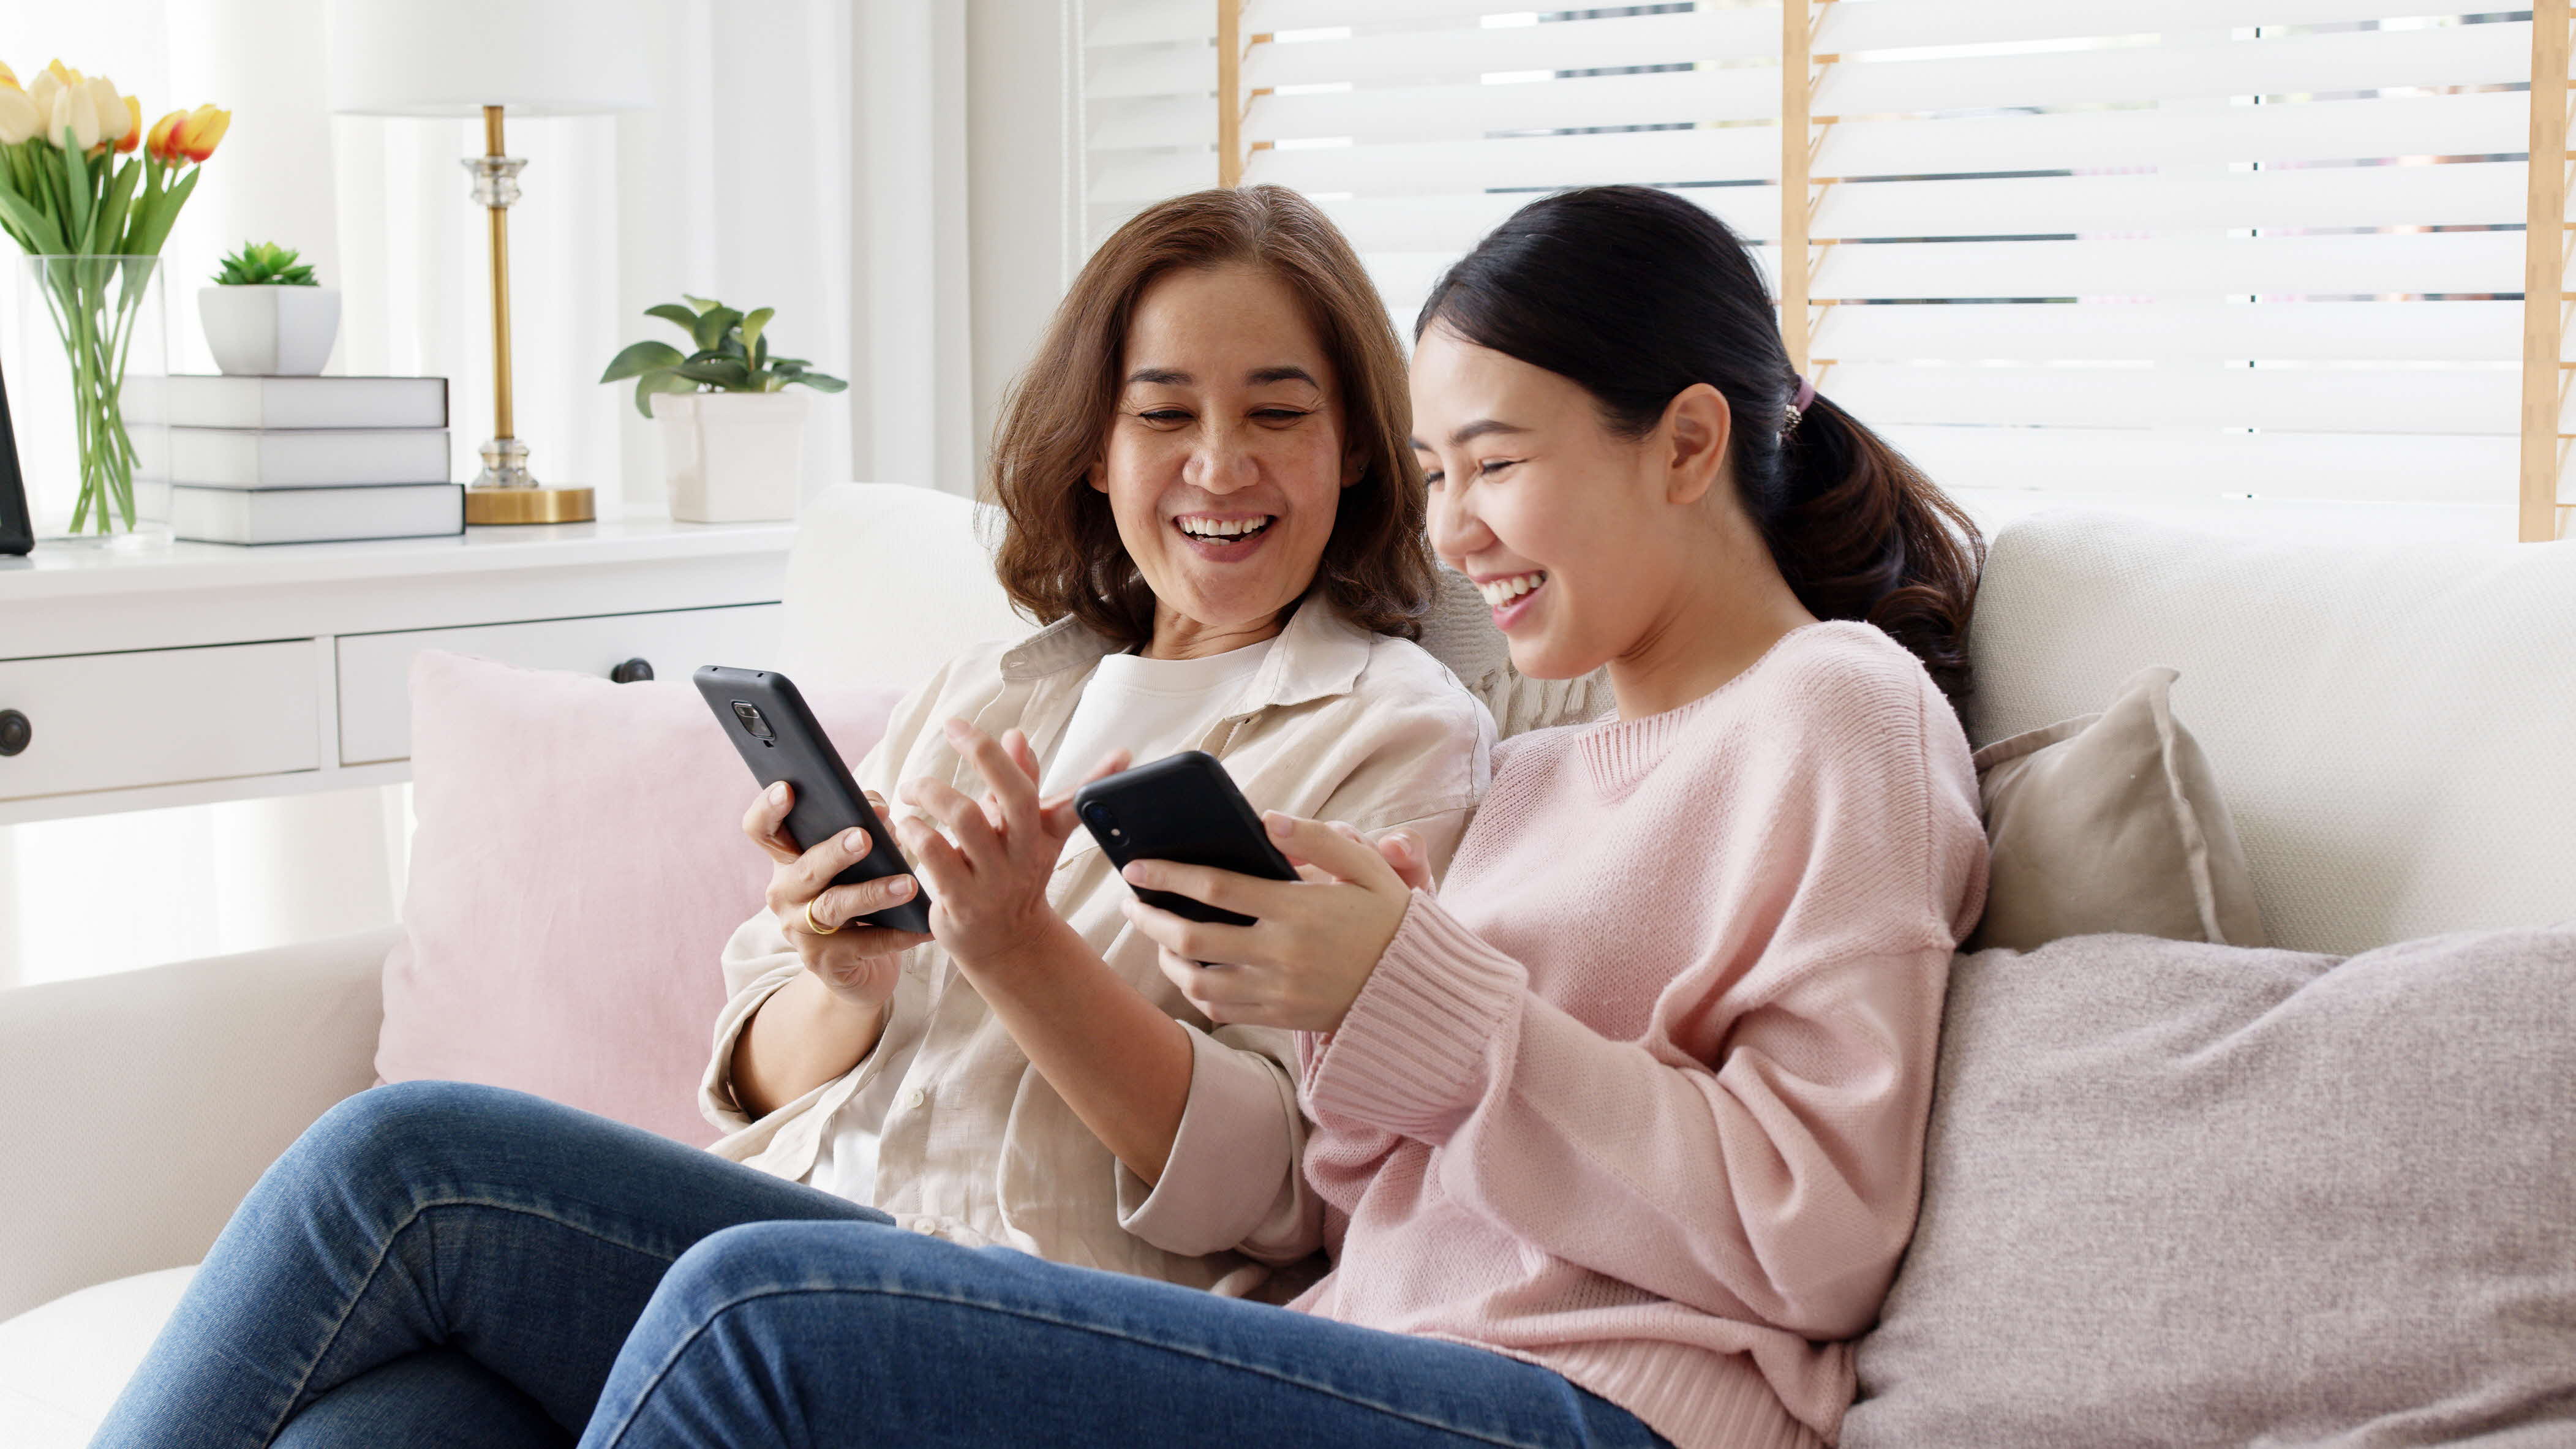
(1060, 553)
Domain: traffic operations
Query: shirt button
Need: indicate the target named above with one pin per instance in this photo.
(915, 1098)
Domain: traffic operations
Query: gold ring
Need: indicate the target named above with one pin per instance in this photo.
(817, 927)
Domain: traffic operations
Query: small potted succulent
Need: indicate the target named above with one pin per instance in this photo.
(266, 315)
(733, 441)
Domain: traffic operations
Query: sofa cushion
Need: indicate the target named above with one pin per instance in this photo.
(2111, 822)
(577, 863)
(2390, 723)
(63, 1364)
(2178, 1193)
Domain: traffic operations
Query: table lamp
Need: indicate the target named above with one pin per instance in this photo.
(482, 57)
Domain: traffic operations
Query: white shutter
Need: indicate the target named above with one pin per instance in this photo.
(1420, 124)
(2267, 247)
(2180, 248)
(1148, 106)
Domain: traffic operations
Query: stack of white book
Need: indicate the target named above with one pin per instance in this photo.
(295, 459)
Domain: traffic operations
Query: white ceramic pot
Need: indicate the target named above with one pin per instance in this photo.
(270, 331)
(732, 457)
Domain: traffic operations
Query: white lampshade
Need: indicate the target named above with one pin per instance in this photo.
(454, 57)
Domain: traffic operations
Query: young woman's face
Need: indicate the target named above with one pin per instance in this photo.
(1566, 527)
(1226, 461)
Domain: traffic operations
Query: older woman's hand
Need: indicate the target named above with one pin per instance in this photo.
(988, 873)
(857, 963)
(1313, 943)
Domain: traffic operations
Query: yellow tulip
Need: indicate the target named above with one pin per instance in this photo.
(132, 135)
(196, 136)
(19, 117)
(159, 147)
(9, 77)
(63, 74)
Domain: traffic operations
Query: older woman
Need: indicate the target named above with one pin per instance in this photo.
(1213, 508)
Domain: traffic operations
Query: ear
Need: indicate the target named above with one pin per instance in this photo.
(1354, 467)
(1097, 475)
(1697, 427)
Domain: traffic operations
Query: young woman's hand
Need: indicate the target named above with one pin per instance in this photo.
(858, 963)
(1313, 942)
(988, 872)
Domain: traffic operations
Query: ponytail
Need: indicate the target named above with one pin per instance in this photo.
(1860, 533)
(1637, 294)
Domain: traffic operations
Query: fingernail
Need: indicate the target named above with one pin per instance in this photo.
(955, 728)
(778, 791)
(854, 841)
(1279, 823)
(900, 888)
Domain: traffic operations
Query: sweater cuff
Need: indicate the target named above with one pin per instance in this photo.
(1409, 1056)
(1231, 1160)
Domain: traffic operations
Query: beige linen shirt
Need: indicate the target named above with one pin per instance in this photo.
(1337, 724)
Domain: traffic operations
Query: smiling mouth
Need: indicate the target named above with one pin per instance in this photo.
(1501, 593)
(1223, 530)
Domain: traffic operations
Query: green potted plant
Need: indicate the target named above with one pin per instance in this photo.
(266, 315)
(733, 439)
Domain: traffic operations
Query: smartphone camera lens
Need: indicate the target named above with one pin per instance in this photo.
(750, 716)
(1100, 820)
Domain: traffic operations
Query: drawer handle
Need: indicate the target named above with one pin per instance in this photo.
(631, 671)
(15, 732)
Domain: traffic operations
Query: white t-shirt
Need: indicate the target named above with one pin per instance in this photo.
(1148, 707)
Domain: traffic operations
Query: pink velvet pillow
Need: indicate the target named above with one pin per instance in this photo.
(577, 864)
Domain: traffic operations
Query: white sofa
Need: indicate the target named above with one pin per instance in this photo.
(2394, 728)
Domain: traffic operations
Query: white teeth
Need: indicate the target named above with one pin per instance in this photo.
(1222, 527)
(1499, 592)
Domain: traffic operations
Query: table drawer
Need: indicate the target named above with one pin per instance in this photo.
(162, 716)
(375, 669)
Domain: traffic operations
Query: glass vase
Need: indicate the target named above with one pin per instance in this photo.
(88, 424)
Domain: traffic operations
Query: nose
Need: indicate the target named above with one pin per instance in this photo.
(1223, 461)
(1457, 534)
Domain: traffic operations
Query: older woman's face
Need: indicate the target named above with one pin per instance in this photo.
(1227, 458)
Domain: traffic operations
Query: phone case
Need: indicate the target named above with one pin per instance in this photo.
(828, 801)
(1182, 807)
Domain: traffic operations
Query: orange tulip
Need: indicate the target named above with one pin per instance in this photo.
(197, 133)
(158, 147)
(133, 136)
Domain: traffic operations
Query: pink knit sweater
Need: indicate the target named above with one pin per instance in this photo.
(1640, 1095)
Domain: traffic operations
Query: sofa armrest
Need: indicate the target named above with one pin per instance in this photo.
(146, 1103)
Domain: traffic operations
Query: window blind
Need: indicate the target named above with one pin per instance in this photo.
(2186, 248)
(2154, 248)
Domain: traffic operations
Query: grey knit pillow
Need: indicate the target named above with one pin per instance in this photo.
(2181, 1193)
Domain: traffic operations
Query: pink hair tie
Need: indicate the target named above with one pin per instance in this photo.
(1798, 407)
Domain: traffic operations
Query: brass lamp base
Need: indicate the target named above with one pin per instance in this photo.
(528, 505)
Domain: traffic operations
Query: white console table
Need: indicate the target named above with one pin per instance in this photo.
(206, 672)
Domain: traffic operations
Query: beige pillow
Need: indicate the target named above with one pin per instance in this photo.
(2111, 822)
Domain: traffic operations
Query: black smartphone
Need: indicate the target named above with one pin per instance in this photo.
(1182, 807)
(776, 735)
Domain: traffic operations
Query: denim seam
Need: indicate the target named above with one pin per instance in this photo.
(690, 1339)
(332, 1338)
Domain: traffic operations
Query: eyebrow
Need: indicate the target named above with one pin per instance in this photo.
(1472, 431)
(1174, 377)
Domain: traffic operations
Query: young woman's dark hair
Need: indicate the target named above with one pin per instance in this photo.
(1637, 294)
(1059, 551)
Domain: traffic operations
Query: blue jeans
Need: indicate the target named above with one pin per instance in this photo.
(442, 1264)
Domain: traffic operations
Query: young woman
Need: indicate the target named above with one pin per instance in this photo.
(1619, 1134)
(1211, 503)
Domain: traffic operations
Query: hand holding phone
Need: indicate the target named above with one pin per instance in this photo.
(776, 735)
(1185, 808)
